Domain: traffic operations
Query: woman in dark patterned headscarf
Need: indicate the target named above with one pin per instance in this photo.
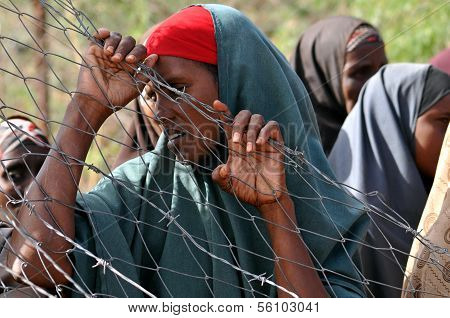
(334, 58)
(23, 147)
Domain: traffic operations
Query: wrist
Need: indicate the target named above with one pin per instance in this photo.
(86, 113)
(281, 219)
(284, 203)
(80, 125)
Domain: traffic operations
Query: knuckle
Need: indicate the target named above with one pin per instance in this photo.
(129, 38)
(241, 118)
(116, 35)
(141, 51)
(245, 113)
(273, 123)
(258, 118)
(141, 47)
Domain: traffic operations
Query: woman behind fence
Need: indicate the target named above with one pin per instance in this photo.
(388, 148)
(334, 58)
(23, 148)
(223, 219)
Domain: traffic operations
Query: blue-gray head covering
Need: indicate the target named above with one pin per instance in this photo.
(375, 152)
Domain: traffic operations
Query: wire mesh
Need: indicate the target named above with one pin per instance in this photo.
(70, 30)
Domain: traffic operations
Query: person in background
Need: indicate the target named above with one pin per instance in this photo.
(442, 60)
(23, 148)
(388, 150)
(334, 58)
(428, 269)
(213, 202)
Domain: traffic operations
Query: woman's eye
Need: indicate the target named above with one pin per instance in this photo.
(181, 88)
(153, 97)
(363, 72)
(15, 176)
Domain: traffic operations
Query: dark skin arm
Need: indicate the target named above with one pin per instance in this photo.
(52, 194)
(291, 251)
(255, 173)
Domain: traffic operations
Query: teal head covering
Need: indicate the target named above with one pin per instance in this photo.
(171, 230)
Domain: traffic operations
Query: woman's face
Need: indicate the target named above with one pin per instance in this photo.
(429, 136)
(360, 64)
(192, 135)
(17, 170)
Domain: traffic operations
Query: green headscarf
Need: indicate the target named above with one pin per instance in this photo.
(120, 220)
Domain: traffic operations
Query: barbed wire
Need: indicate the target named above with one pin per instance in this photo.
(65, 18)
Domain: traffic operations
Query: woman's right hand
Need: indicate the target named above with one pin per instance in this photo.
(107, 77)
(254, 171)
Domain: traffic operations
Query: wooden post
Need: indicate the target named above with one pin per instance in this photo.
(42, 69)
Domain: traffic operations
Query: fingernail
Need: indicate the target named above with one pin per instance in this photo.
(249, 146)
(131, 58)
(259, 140)
(236, 137)
(117, 56)
(110, 49)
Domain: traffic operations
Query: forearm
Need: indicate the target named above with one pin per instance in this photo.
(50, 200)
(294, 268)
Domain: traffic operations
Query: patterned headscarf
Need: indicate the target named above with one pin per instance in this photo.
(363, 34)
(16, 130)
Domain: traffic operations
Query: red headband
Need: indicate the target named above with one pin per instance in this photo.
(188, 34)
(16, 130)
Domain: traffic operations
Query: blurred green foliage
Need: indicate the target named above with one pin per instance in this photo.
(414, 30)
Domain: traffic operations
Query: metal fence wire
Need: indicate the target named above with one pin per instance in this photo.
(69, 30)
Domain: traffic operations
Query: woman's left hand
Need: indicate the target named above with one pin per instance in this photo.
(254, 171)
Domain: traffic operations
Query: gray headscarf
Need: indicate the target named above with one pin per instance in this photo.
(375, 152)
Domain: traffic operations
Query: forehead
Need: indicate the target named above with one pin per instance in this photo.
(366, 53)
(19, 151)
(15, 154)
(171, 67)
